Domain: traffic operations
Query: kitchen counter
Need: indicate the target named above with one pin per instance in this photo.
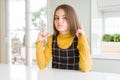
(20, 72)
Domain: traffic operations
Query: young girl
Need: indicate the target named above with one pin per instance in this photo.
(68, 46)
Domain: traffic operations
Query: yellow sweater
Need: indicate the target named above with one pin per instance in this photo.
(64, 41)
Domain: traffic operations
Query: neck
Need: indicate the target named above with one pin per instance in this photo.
(64, 35)
(65, 32)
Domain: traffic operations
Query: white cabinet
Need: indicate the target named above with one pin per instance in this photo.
(110, 5)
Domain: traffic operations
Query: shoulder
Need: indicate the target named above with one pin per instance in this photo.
(50, 38)
(82, 37)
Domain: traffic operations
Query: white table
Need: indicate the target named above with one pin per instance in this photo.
(19, 72)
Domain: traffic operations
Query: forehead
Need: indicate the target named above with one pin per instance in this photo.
(60, 12)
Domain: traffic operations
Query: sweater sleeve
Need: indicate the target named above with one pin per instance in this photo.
(43, 55)
(85, 62)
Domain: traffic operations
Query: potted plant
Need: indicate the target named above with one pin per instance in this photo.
(111, 43)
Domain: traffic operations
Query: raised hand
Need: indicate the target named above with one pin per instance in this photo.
(80, 31)
(42, 34)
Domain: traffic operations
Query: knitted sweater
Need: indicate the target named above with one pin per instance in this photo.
(64, 41)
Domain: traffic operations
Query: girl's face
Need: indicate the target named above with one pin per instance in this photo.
(60, 22)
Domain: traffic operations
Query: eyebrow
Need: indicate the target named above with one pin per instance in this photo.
(62, 16)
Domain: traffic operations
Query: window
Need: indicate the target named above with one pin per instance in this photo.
(25, 18)
(112, 22)
(103, 21)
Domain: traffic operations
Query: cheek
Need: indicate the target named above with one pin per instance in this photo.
(66, 26)
(55, 24)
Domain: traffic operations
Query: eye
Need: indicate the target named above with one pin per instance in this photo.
(56, 18)
(65, 17)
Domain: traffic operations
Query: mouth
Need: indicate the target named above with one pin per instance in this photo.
(59, 25)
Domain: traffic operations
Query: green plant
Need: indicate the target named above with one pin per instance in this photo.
(116, 37)
(37, 20)
(107, 37)
(111, 38)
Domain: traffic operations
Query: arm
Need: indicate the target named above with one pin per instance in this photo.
(85, 62)
(44, 55)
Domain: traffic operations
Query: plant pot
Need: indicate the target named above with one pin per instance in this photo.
(110, 47)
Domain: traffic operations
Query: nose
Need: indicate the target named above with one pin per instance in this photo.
(60, 20)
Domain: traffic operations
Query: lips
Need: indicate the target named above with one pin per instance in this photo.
(60, 25)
